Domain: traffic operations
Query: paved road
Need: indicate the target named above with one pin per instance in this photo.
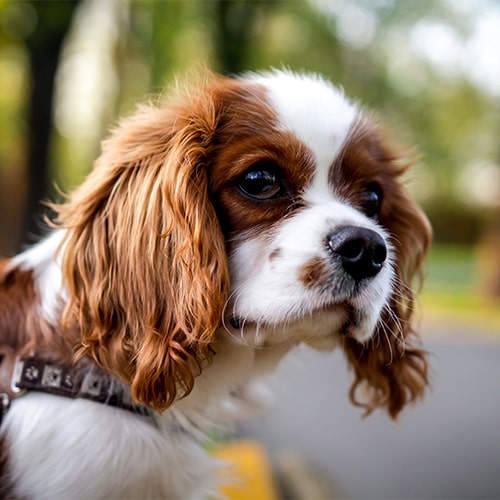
(446, 447)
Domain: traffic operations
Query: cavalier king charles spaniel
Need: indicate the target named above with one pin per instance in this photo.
(216, 232)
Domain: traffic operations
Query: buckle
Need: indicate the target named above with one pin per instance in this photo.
(4, 405)
(10, 371)
(15, 380)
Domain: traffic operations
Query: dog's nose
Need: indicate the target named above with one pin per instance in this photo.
(361, 251)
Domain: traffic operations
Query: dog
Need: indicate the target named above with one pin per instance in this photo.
(218, 230)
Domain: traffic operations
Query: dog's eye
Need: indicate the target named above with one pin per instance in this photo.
(371, 199)
(261, 182)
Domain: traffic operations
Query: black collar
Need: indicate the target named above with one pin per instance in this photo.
(80, 380)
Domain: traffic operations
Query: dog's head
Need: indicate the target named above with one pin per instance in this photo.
(268, 206)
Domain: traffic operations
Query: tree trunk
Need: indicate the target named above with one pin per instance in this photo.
(44, 49)
(235, 23)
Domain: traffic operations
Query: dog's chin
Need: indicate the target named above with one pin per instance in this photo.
(321, 328)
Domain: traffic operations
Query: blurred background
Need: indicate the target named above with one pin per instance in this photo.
(429, 68)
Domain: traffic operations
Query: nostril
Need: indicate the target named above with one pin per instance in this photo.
(379, 253)
(362, 251)
(351, 249)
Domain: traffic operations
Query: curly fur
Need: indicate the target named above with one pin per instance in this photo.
(156, 270)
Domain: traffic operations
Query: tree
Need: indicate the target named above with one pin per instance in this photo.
(44, 48)
(235, 24)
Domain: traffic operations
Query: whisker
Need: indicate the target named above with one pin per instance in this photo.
(399, 334)
(384, 331)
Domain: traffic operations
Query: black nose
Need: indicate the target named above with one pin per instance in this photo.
(361, 251)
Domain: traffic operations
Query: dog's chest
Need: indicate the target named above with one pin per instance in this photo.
(62, 448)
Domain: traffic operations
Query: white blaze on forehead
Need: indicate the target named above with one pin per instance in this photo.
(315, 111)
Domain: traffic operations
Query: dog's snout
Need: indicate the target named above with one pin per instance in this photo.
(362, 251)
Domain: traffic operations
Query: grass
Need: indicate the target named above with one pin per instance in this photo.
(452, 267)
(452, 290)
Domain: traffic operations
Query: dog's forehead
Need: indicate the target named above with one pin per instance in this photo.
(316, 112)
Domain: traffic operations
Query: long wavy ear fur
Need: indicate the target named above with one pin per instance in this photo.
(144, 258)
(392, 370)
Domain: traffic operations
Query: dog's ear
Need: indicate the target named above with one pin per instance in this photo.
(144, 257)
(391, 370)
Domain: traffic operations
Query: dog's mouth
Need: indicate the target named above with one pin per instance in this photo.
(354, 320)
(348, 319)
(236, 322)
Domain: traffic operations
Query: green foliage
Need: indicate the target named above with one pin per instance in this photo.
(452, 267)
(453, 292)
